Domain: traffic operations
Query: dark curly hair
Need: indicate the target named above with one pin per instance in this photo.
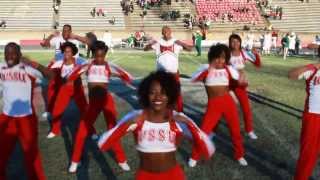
(168, 83)
(235, 36)
(99, 45)
(15, 46)
(70, 45)
(219, 50)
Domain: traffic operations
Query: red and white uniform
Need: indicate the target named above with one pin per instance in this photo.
(65, 89)
(18, 119)
(103, 102)
(157, 137)
(238, 62)
(167, 53)
(220, 106)
(310, 133)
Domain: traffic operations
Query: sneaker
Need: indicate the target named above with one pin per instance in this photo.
(51, 135)
(73, 167)
(124, 166)
(252, 135)
(242, 162)
(192, 162)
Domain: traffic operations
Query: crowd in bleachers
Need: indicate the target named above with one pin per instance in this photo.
(229, 10)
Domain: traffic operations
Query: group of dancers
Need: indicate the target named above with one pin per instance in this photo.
(159, 125)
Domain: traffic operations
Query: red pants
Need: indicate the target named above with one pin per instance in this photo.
(53, 89)
(242, 95)
(24, 129)
(175, 173)
(179, 104)
(86, 126)
(218, 106)
(66, 92)
(309, 146)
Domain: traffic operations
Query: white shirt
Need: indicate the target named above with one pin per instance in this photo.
(156, 137)
(238, 62)
(313, 91)
(18, 83)
(167, 55)
(98, 73)
(66, 70)
(58, 41)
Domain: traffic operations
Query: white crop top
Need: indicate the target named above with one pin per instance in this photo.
(237, 62)
(156, 137)
(66, 70)
(98, 73)
(215, 77)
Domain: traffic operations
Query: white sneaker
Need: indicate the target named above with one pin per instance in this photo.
(192, 162)
(124, 166)
(51, 135)
(95, 137)
(242, 162)
(45, 115)
(252, 135)
(73, 167)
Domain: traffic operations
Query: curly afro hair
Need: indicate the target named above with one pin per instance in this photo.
(99, 45)
(70, 45)
(168, 83)
(219, 50)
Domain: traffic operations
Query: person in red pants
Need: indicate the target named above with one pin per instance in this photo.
(67, 88)
(158, 129)
(98, 73)
(167, 51)
(238, 60)
(310, 132)
(217, 77)
(18, 121)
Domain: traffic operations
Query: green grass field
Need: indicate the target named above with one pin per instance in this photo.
(272, 156)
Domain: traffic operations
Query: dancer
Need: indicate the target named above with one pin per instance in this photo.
(158, 129)
(98, 74)
(238, 60)
(56, 39)
(217, 77)
(167, 52)
(66, 88)
(18, 120)
(310, 132)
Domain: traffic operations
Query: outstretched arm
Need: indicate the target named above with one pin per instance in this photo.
(185, 46)
(200, 74)
(149, 46)
(295, 73)
(200, 139)
(126, 124)
(44, 70)
(82, 39)
(121, 73)
(46, 42)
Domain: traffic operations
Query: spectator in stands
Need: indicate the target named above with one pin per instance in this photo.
(280, 13)
(92, 39)
(285, 45)
(3, 24)
(56, 9)
(113, 20)
(100, 12)
(93, 12)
